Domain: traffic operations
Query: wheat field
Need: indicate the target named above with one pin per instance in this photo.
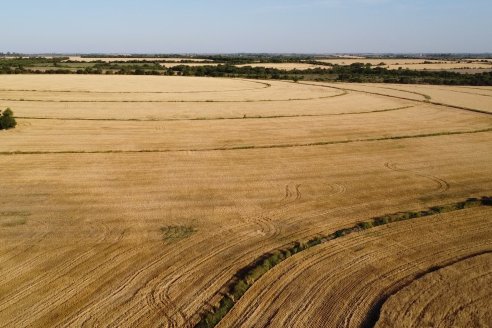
(343, 282)
(133, 200)
(390, 63)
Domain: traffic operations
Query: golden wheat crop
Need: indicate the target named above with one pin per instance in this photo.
(343, 283)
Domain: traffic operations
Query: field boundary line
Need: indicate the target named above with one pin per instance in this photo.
(175, 101)
(404, 98)
(426, 97)
(250, 274)
(265, 85)
(464, 92)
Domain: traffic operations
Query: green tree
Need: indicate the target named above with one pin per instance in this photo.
(7, 120)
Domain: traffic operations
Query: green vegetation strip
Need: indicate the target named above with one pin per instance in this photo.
(14, 222)
(246, 147)
(246, 277)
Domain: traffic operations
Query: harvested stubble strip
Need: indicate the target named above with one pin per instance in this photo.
(245, 147)
(247, 276)
(453, 293)
(244, 117)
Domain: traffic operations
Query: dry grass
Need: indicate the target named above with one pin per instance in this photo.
(92, 249)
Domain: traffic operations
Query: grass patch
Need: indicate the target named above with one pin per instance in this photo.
(14, 213)
(174, 233)
(14, 222)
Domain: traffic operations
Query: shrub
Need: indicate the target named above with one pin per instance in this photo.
(298, 247)
(487, 201)
(256, 273)
(365, 225)
(213, 318)
(7, 120)
(438, 209)
(343, 232)
(239, 289)
(381, 221)
(314, 242)
(276, 258)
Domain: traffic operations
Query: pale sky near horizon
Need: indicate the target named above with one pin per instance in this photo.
(220, 26)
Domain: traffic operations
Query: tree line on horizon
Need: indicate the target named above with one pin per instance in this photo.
(356, 73)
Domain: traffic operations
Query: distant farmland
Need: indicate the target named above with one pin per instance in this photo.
(145, 200)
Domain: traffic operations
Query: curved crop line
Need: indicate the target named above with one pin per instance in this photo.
(464, 92)
(426, 96)
(475, 88)
(264, 86)
(442, 185)
(129, 92)
(214, 118)
(374, 314)
(247, 147)
(247, 276)
(173, 101)
(343, 93)
(414, 100)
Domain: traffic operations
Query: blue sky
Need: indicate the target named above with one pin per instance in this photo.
(211, 26)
